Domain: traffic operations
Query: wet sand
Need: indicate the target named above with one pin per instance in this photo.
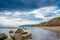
(52, 28)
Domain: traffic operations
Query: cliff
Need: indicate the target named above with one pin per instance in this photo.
(53, 22)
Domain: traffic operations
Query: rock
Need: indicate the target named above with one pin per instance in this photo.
(11, 31)
(2, 36)
(26, 36)
(21, 35)
(19, 30)
(16, 36)
(24, 33)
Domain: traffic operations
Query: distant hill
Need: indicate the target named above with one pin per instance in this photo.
(53, 22)
(27, 25)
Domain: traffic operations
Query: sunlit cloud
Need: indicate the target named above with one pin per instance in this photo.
(15, 22)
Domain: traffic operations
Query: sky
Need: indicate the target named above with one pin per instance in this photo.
(22, 12)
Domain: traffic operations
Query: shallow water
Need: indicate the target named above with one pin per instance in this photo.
(37, 33)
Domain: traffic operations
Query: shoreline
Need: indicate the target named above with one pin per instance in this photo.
(55, 29)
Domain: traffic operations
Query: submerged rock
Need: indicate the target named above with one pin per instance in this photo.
(11, 31)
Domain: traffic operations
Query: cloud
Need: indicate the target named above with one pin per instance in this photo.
(15, 21)
(9, 22)
(57, 11)
(22, 15)
(17, 13)
(36, 16)
(45, 11)
(30, 17)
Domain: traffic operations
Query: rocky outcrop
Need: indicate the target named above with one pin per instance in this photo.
(19, 34)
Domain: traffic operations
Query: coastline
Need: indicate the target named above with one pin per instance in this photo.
(55, 29)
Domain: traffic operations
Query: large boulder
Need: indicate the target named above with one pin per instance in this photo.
(19, 30)
(3, 36)
(16, 36)
(21, 36)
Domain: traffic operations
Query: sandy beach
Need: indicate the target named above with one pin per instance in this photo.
(52, 28)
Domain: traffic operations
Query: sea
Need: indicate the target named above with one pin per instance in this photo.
(37, 33)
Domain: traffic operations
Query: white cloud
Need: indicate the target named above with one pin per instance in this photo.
(57, 11)
(14, 13)
(17, 13)
(15, 22)
(7, 13)
(8, 22)
(38, 13)
(42, 12)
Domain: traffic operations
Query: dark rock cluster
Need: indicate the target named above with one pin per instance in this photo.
(19, 34)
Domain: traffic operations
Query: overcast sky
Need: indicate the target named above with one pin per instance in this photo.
(21, 12)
